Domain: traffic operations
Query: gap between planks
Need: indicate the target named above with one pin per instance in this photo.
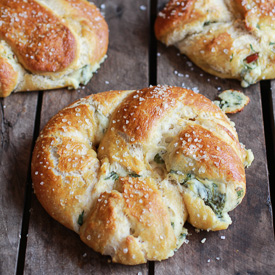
(269, 131)
(152, 71)
(28, 194)
(153, 44)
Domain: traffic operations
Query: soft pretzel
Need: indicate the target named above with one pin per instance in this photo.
(230, 39)
(47, 44)
(126, 169)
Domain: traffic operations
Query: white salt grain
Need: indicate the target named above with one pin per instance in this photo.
(143, 8)
(203, 240)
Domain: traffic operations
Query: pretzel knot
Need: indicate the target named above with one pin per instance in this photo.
(126, 169)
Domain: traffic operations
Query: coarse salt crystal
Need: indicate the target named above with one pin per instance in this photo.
(142, 7)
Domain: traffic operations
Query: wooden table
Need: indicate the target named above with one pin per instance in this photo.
(33, 243)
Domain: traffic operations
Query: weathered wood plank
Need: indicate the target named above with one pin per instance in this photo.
(51, 247)
(17, 117)
(248, 247)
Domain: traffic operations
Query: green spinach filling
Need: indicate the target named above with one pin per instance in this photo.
(237, 101)
(113, 175)
(80, 218)
(207, 23)
(239, 192)
(134, 175)
(215, 199)
(158, 159)
(182, 235)
(188, 177)
(209, 193)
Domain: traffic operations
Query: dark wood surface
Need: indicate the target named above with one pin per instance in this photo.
(16, 127)
(248, 247)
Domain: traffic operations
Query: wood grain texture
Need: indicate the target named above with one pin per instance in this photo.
(51, 247)
(248, 247)
(17, 117)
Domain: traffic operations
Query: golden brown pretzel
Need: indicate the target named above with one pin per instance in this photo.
(126, 169)
(49, 44)
(229, 38)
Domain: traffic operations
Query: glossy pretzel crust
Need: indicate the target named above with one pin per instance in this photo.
(96, 168)
(49, 44)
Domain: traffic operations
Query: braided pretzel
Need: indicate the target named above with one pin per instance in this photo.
(229, 39)
(47, 44)
(126, 169)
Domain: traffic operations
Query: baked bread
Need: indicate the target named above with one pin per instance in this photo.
(230, 39)
(48, 44)
(126, 169)
(232, 101)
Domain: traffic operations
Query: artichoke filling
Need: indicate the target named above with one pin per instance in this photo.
(251, 69)
(207, 190)
(209, 193)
